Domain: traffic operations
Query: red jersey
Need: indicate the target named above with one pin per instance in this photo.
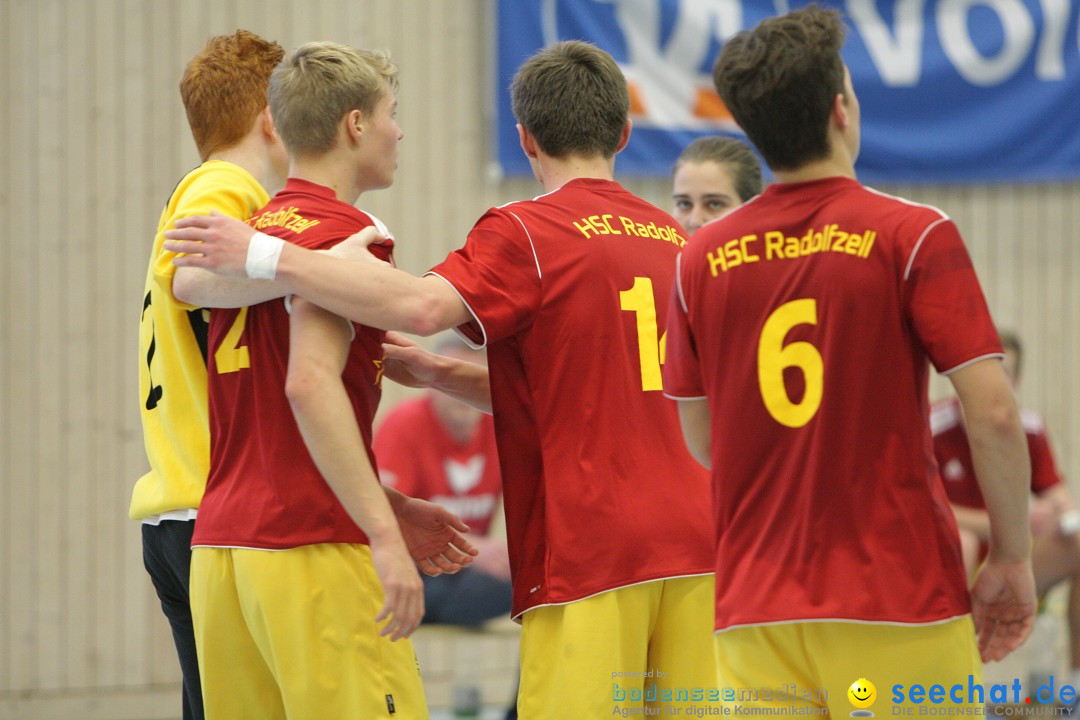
(418, 457)
(807, 318)
(569, 292)
(954, 454)
(264, 490)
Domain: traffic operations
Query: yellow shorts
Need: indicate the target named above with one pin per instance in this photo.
(812, 665)
(617, 651)
(292, 634)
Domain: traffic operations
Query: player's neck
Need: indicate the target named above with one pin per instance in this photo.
(330, 170)
(840, 162)
(254, 156)
(554, 172)
(815, 171)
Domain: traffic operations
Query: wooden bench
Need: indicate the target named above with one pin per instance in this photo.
(485, 658)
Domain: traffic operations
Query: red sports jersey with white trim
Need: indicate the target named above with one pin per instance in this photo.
(808, 317)
(569, 292)
(264, 490)
(954, 454)
(418, 457)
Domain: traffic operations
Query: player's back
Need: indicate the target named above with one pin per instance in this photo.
(825, 299)
(600, 490)
(264, 489)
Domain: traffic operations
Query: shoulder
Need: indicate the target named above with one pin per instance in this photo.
(222, 186)
(911, 221)
(223, 176)
(901, 205)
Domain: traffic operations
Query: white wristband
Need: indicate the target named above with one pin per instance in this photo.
(262, 256)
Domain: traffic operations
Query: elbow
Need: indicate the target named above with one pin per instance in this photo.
(996, 422)
(184, 287)
(1002, 418)
(302, 387)
(424, 316)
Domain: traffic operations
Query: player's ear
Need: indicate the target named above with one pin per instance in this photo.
(840, 114)
(624, 137)
(528, 142)
(266, 120)
(354, 124)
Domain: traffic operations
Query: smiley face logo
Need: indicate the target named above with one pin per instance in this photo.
(862, 693)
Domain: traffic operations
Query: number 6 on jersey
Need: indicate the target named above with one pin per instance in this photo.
(773, 357)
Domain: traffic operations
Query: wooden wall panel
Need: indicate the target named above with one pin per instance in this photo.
(7, 368)
(93, 139)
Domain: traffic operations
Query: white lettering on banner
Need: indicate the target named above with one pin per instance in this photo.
(671, 87)
(897, 55)
(897, 59)
(666, 78)
(958, 46)
(1050, 62)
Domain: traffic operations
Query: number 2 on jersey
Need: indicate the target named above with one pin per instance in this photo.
(639, 299)
(774, 356)
(231, 356)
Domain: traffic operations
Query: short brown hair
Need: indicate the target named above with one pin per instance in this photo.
(734, 155)
(573, 99)
(224, 88)
(779, 81)
(317, 84)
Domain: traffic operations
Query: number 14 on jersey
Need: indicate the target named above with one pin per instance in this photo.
(641, 301)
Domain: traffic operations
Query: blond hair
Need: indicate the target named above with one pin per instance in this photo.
(317, 84)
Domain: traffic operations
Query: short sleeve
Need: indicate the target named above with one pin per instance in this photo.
(228, 193)
(682, 371)
(497, 275)
(945, 303)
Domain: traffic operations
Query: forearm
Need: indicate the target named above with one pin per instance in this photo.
(332, 436)
(203, 288)
(999, 456)
(466, 382)
(318, 352)
(371, 294)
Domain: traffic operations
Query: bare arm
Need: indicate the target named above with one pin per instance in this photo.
(696, 421)
(203, 288)
(318, 350)
(974, 520)
(998, 453)
(411, 365)
(368, 293)
(1003, 594)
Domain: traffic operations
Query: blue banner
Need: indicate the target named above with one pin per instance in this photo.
(952, 91)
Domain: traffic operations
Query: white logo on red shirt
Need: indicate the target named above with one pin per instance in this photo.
(953, 470)
(463, 477)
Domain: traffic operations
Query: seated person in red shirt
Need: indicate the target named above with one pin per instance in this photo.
(436, 448)
(1055, 514)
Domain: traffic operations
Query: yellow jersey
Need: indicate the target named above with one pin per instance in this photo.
(172, 350)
